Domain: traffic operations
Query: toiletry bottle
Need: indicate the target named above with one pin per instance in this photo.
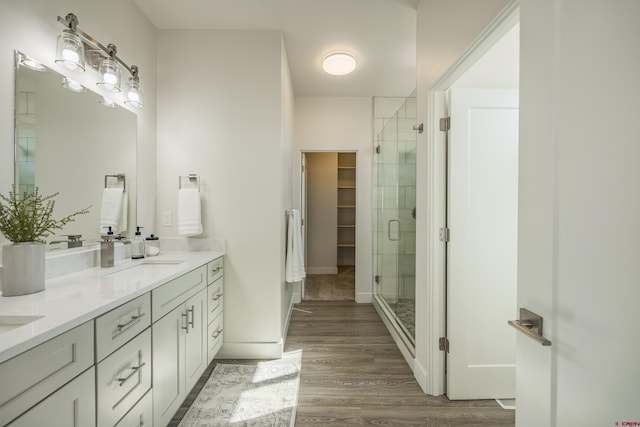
(137, 246)
(106, 250)
(152, 245)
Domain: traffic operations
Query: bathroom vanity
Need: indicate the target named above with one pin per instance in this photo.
(111, 347)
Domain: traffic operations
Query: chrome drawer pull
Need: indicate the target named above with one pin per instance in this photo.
(133, 320)
(217, 297)
(215, 270)
(134, 369)
(185, 315)
(190, 322)
(216, 333)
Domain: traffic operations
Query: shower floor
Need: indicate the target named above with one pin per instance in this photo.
(406, 312)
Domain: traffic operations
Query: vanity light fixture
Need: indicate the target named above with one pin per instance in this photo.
(72, 85)
(339, 63)
(106, 102)
(71, 48)
(133, 92)
(109, 72)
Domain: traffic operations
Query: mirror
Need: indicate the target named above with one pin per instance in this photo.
(68, 142)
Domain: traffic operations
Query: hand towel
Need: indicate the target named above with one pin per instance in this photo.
(111, 210)
(189, 212)
(294, 258)
(124, 213)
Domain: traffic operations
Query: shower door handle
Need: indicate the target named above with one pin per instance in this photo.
(389, 229)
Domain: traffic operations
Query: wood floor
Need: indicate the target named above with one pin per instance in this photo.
(353, 374)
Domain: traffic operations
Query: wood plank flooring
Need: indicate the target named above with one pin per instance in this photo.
(353, 375)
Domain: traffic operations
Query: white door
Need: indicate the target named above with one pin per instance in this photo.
(482, 251)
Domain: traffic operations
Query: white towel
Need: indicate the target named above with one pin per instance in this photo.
(124, 213)
(294, 259)
(111, 212)
(189, 214)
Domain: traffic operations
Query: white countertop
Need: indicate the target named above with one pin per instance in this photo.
(73, 299)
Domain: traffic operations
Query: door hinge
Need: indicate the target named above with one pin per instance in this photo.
(301, 221)
(377, 278)
(444, 344)
(445, 234)
(302, 168)
(445, 124)
(377, 149)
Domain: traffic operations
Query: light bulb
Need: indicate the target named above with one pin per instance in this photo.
(70, 55)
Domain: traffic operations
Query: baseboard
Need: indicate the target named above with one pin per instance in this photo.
(285, 329)
(364, 297)
(322, 270)
(421, 375)
(251, 350)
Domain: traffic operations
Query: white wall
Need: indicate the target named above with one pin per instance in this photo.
(342, 124)
(223, 118)
(446, 30)
(579, 210)
(32, 28)
(321, 218)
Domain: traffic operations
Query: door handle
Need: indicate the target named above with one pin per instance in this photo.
(530, 324)
(389, 230)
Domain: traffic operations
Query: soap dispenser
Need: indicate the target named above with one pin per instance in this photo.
(137, 246)
(106, 250)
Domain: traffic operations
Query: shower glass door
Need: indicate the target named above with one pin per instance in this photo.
(394, 223)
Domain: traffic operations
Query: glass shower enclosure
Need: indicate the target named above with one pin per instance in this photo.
(394, 212)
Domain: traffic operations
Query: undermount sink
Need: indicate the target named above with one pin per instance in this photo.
(148, 261)
(10, 322)
(139, 267)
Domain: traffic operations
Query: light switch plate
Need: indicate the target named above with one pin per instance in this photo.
(166, 218)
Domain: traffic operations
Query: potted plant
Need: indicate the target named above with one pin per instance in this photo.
(26, 220)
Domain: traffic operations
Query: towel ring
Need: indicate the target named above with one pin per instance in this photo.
(119, 177)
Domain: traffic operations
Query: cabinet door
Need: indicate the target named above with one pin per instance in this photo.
(168, 365)
(196, 338)
(71, 406)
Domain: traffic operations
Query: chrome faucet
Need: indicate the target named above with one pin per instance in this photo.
(73, 240)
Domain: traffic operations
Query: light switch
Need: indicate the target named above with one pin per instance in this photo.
(166, 218)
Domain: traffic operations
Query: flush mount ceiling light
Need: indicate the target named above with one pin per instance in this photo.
(70, 51)
(339, 63)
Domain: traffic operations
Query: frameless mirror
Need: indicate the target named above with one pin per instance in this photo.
(70, 143)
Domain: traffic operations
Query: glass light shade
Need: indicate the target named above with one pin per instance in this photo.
(31, 63)
(133, 93)
(70, 51)
(72, 85)
(339, 63)
(109, 74)
(106, 102)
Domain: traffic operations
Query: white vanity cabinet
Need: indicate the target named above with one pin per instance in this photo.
(179, 341)
(37, 373)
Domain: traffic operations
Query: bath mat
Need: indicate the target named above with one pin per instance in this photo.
(240, 395)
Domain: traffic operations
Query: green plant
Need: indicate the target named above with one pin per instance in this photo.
(28, 217)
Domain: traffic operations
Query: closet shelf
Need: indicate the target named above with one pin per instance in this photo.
(346, 187)
(346, 206)
(346, 245)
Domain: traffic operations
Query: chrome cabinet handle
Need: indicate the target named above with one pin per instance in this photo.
(216, 333)
(215, 270)
(134, 369)
(217, 297)
(185, 316)
(131, 322)
(190, 322)
(389, 229)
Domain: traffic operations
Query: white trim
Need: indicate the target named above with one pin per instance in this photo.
(285, 329)
(436, 191)
(364, 297)
(401, 342)
(251, 350)
(322, 270)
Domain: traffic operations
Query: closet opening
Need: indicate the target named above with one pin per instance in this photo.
(329, 205)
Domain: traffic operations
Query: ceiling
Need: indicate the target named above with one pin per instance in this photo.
(381, 34)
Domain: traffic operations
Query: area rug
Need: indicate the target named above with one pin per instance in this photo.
(240, 395)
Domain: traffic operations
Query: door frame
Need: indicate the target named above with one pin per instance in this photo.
(436, 189)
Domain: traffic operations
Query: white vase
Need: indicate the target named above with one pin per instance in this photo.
(23, 268)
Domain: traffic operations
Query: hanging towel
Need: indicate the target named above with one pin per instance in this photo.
(111, 212)
(189, 215)
(124, 213)
(294, 259)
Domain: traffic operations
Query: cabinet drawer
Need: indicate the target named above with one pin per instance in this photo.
(215, 337)
(38, 372)
(170, 295)
(215, 299)
(118, 326)
(123, 378)
(72, 405)
(141, 414)
(215, 269)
